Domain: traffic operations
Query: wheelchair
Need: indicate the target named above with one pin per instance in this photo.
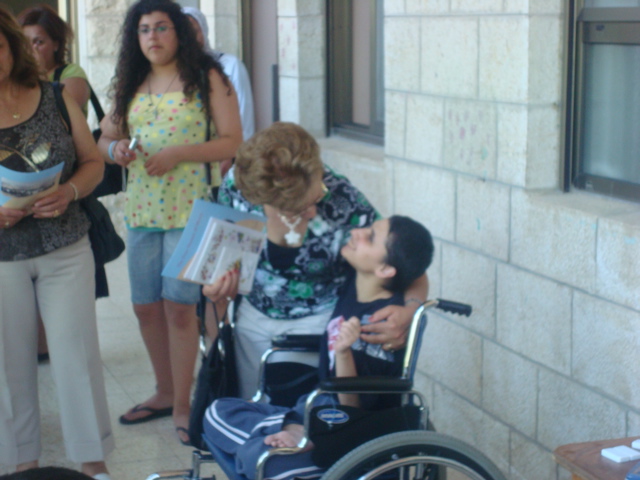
(391, 444)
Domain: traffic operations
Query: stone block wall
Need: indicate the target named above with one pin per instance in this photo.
(473, 101)
(551, 354)
(301, 63)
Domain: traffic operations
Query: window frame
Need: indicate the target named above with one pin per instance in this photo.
(340, 79)
(584, 25)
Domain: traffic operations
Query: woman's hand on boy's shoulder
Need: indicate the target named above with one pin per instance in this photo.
(389, 326)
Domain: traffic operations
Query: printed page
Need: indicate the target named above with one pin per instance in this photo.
(21, 190)
(215, 240)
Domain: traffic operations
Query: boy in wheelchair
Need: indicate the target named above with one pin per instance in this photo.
(386, 258)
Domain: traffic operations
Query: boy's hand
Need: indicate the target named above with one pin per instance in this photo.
(392, 332)
(349, 333)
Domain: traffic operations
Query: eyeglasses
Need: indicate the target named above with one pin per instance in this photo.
(324, 193)
(160, 30)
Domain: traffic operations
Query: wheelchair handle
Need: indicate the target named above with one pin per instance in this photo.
(454, 307)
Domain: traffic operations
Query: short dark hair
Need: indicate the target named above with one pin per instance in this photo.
(25, 69)
(47, 18)
(47, 473)
(409, 251)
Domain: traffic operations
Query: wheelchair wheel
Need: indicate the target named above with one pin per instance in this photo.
(414, 455)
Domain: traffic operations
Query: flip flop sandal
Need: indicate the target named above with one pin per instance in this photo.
(154, 413)
(179, 430)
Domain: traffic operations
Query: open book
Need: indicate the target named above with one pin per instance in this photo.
(22, 189)
(215, 240)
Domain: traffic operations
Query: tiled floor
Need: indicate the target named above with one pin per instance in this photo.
(140, 449)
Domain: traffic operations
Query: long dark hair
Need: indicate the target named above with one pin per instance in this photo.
(25, 70)
(133, 67)
(47, 18)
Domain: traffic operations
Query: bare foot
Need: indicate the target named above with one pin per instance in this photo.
(27, 466)
(94, 468)
(289, 436)
(181, 421)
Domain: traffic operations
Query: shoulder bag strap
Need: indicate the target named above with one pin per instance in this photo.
(58, 72)
(62, 107)
(93, 97)
(208, 133)
(96, 104)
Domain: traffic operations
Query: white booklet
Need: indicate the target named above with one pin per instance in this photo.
(215, 240)
(22, 189)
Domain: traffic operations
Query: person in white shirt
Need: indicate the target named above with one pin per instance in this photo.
(233, 68)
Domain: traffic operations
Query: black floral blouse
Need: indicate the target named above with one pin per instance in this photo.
(45, 142)
(308, 283)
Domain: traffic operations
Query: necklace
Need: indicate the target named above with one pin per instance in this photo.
(291, 237)
(151, 104)
(15, 97)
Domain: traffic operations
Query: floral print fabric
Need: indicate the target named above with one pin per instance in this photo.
(44, 131)
(165, 202)
(310, 284)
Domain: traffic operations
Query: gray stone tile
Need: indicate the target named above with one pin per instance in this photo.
(605, 345)
(512, 144)
(618, 259)
(463, 420)
(427, 195)
(470, 135)
(424, 129)
(545, 64)
(450, 56)
(570, 413)
(534, 317)
(461, 270)
(482, 216)
(503, 62)
(452, 355)
(402, 69)
(529, 460)
(509, 388)
(553, 239)
(543, 146)
(421, 7)
(395, 123)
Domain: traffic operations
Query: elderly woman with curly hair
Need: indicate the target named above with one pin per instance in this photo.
(46, 263)
(168, 93)
(310, 211)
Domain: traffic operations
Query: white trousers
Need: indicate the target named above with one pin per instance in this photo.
(253, 333)
(62, 285)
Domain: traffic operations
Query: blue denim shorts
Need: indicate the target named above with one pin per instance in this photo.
(147, 253)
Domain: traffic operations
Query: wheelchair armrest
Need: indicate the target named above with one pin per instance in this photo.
(308, 343)
(369, 384)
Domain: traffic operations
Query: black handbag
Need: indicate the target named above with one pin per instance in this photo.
(105, 241)
(217, 378)
(115, 176)
(106, 244)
